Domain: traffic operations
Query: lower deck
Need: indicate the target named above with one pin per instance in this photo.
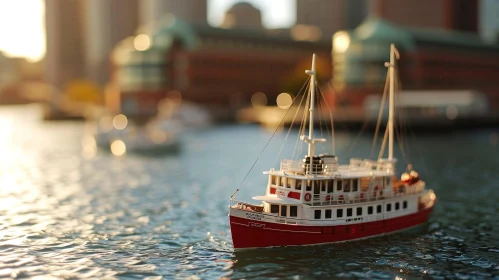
(251, 233)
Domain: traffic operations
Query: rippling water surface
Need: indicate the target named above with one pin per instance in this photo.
(65, 213)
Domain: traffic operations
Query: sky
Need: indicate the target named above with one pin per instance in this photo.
(22, 24)
(22, 21)
(22, 28)
(275, 13)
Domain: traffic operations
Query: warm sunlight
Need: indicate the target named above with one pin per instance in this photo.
(22, 29)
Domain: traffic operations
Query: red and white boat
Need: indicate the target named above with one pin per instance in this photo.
(319, 201)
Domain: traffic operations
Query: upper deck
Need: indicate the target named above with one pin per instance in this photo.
(327, 167)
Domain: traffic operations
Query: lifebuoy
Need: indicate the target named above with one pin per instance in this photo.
(340, 197)
(328, 197)
(308, 196)
(361, 195)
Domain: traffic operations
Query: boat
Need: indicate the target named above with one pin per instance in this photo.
(317, 200)
(119, 136)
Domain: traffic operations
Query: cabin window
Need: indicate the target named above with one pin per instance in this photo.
(397, 205)
(349, 212)
(281, 183)
(388, 207)
(369, 210)
(293, 211)
(289, 182)
(359, 211)
(328, 213)
(317, 214)
(346, 186)
(274, 208)
(317, 187)
(339, 213)
(298, 184)
(284, 210)
(273, 180)
(405, 204)
(309, 185)
(339, 185)
(355, 184)
(330, 184)
(378, 209)
(323, 186)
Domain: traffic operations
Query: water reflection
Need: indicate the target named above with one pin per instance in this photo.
(66, 215)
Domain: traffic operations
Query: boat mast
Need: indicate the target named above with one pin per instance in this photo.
(311, 109)
(391, 107)
(391, 112)
(310, 139)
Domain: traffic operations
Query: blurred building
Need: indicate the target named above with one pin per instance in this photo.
(192, 11)
(442, 14)
(81, 35)
(243, 15)
(431, 59)
(105, 23)
(331, 15)
(65, 56)
(488, 20)
(218, 67)
(14, 72)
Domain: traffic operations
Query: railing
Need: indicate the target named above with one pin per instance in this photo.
(292, 166)
(355, 197)
(318, 200)
(246, 206)
(299, 167)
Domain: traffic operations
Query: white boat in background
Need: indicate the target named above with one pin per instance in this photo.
(317, 200)
(192, 116)
(119, 135)
(158, 136)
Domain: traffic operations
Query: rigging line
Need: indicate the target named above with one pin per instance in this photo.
(277, 128)
(364, 126)
(400, 125)
(304, 121)
(380, 114)
(331, 119)
(323, 109)
(319, 114)
(382, 150)
(293, 121)
(403, 122)
(397, 130)
(340, 103)
(307, 85)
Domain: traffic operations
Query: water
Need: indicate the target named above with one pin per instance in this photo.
(65, 213)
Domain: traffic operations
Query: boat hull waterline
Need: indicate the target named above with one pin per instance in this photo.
(251, 233)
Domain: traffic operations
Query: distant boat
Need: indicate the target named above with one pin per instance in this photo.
(160, 135)
(120, 136)
(316, 200)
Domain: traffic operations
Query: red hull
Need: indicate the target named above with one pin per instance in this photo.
(248, 233)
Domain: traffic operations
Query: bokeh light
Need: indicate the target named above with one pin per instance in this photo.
(284, 100)
(118, 147)
(341, 41)
(142, 42)
(258, 99)
(120, 121)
